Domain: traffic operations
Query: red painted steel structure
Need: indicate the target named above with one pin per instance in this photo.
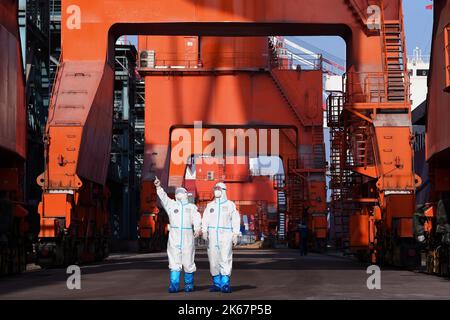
(438, 133)
(372, 179)
(436, 226)
(13, 111)
(13, 126)
(233, 82)
(79, 126)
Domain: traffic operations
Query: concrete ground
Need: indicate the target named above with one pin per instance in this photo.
(258, 274)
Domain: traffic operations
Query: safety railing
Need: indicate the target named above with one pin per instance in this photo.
(174, 64)
(283, 59)
(370, 87)
(366, 88)
(211, 60)
(288, 60)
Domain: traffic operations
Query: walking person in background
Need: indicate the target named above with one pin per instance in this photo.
(303, 230)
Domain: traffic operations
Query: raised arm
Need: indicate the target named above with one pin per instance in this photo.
(165, 200)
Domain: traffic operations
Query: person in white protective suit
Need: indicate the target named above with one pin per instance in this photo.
(184, 226)
(221, 226)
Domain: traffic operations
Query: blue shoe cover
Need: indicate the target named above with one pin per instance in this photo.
(216, 287)
(188, 282)
(174, 281)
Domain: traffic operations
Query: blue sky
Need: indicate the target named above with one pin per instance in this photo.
(418, 24)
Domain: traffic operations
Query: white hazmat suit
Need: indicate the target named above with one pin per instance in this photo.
(184, 221)
(221, 226)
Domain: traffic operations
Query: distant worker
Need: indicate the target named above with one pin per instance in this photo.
(419, 220)
(220, 226)
(303, 230)
(184, 225)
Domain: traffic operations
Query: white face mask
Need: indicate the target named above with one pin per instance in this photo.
(181, 196)
(218, 193)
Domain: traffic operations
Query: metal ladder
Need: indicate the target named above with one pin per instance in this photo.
(296, 191)
(361, 144)
(318, 156)
(279, 184)
(394, 60)
(341, 178)
(282, 207)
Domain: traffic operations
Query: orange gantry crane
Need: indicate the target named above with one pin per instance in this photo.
(240, 87)
(78, 134)
(433, 218)
(372, 179)
(14, 226)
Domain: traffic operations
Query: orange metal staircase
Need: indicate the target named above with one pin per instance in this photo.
(359, 141)
(279, 184)
(90, 149)
(340, 174)
(297, 192)
(395, 60)
(371, 172)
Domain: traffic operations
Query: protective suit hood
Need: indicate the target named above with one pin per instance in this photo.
(223, 187)
(181, 195)
(180, 190)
